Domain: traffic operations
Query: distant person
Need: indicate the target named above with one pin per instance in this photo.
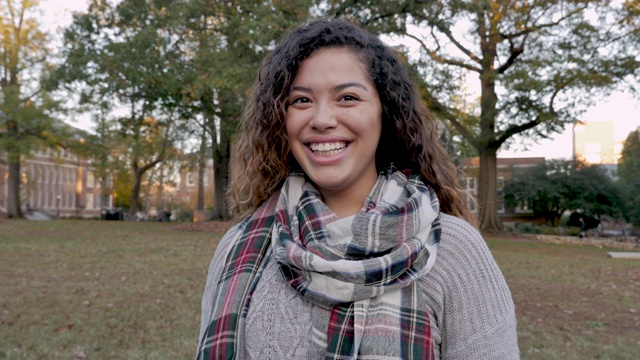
(583, 227)
(357, 241)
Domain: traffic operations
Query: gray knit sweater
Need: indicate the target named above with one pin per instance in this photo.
(471, 311)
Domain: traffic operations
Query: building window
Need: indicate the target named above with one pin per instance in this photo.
(191, 179)
(205, 178)
(470, 185)
(593, 158)
(522, 208)
(89, 199)
(593, 153)
(91, 180)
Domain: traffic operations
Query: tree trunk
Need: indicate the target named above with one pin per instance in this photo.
(147, 191)
(161, 201)
(201, 169)
(487, 190)
(135, 193)
(104, 192)
(13, 197)
(138, 171)
(13, 161)
(487, 194)
(221, 176)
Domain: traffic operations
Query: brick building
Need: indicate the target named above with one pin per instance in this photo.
(58, 183)
(506, 168)
(187, 190)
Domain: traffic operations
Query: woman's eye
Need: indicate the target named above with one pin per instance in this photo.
(349, 98)
(300, 100)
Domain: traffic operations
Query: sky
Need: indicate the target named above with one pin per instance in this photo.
(620, 107)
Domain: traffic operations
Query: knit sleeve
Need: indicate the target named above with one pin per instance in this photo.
(215, 270)
(470, 300)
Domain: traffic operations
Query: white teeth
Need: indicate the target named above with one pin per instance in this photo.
(328, 149)
(327, 146)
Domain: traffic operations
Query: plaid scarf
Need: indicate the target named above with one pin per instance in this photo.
(359, 271)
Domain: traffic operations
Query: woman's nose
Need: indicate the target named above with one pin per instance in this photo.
(324, 118)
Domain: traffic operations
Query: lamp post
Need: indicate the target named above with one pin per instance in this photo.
(58, 197)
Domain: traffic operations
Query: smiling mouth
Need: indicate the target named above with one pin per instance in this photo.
(328, 149)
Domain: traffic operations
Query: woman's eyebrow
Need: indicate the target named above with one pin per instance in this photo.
(303, 89)
(350, 84)
(339, 87)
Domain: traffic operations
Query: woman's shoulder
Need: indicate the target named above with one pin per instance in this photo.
(462, 249)
(456, 231)
(229, 238)
(466, 280)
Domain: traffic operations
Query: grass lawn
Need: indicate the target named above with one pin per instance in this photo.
(100, 290)
(124, 290)
(572, 302)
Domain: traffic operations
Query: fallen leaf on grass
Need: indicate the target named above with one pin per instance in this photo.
(79, 354)
(65, 328)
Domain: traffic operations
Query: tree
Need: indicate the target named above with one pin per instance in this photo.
(228, 41)
(193, 60)
(125, 55)
(25, 104)
(555, 186)
(99, 148)
(629, 174)
(537, 64)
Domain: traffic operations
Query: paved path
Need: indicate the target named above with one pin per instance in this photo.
(37, 216)
(625, 255)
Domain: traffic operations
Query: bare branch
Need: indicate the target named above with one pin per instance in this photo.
(516, 129)
(443, 60)
(514, 53)
(441, 110)
(455, 42)
(532, 29)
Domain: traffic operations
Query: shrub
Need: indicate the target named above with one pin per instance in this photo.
(532, 228)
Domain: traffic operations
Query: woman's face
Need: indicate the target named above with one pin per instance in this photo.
(333, 122)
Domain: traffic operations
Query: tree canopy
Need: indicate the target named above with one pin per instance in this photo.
(181, 66)
(227, 42)
(555, 186)
(25, 103)
(124, 57)
(537, 65)
(629, 174)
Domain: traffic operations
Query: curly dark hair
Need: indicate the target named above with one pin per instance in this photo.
(262, 158)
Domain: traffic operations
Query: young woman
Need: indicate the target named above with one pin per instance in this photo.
(356, 240)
